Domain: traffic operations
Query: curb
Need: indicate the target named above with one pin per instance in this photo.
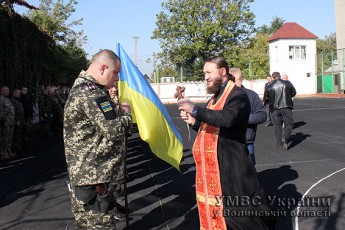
(322, 95)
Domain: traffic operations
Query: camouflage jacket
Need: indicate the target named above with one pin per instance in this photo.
(45, 106)
(18, 110)
(7, 111)
(94, 134)
(61, 100)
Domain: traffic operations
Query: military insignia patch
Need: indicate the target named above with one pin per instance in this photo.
(90, 85)
(106, 106)
(107, 110)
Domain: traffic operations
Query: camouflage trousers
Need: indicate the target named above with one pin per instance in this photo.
(91, 219)
(6, 135)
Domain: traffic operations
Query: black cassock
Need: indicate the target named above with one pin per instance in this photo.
(241, 188)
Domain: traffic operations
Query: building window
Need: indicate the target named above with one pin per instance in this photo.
(167, 79)
(297, 52)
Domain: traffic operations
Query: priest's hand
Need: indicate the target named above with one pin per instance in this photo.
(186, 105)
(187, 117)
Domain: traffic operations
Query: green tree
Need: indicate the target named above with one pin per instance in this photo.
(25, 51)
(324, 48)
(276, 23)
(8, 4)
(52, 18)
(189, 31)
(69, 56)
(252, 55)
(253, 58)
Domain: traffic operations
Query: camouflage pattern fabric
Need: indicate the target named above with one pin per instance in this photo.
(91, 219)
(45, 107)
(45, 112)
(95, 143)
(18, 110)
(61, 100)
(17, 141)
(6, 122)
(57, 119)
(7, 111)
(6, 136)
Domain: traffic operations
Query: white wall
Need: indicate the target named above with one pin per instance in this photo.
(339, 9)
(196, 91)
(296, 69)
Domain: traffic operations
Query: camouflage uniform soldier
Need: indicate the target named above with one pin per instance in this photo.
(60, 97)
(59, 102)
(56, 110)
(6, 123)
(17, 143)
(94, 137)
(28, 114)
(45, 111)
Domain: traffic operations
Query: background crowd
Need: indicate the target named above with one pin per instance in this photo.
(18, 112)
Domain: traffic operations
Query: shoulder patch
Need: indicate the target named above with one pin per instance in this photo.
(106, 108)
(90, 85)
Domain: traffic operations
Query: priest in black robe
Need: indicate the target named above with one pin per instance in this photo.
(228, 191)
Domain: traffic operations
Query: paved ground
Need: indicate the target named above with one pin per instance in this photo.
(33, 192)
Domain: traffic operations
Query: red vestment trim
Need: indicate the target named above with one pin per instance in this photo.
(208, 186)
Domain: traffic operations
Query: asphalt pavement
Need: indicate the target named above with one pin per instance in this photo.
(34, 195)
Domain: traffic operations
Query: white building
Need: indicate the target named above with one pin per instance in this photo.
(339, 7)
(292, 51)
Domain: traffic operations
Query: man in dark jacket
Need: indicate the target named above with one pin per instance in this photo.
(266, 100)
(223, 167)
(280, 95)
(257, 112)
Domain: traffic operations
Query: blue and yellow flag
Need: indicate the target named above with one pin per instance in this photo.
(154, 123)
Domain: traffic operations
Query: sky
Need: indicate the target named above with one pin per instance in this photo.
(107, 22)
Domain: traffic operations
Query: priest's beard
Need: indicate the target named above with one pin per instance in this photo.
(212, 89)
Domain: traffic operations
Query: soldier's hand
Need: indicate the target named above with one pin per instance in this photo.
(124, 107)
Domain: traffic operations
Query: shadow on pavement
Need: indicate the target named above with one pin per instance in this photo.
(159, 189)
(282, 197)
(30, 168)
(27, 186)
(332, 221)
(297, 138)
(298, 124)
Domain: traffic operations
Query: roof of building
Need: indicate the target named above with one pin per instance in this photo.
(291, 30)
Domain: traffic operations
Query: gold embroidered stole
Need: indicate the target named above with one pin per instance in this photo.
(208, 186)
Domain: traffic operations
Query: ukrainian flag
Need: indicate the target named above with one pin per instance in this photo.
(154, 123)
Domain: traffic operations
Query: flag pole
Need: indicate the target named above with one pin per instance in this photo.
(116, 100)
(125, 188)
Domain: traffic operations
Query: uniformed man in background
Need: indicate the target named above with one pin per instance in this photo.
(28, 115)
(6, 123)
(17, 141)
(45, 111)
(95, 141)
